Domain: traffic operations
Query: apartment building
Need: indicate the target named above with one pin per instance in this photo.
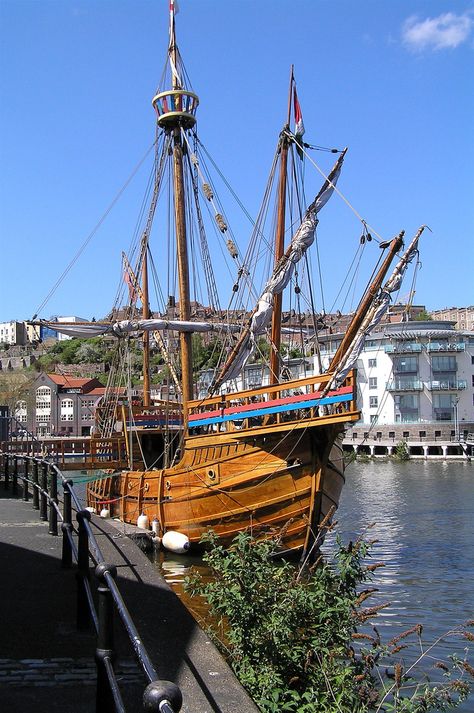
(463, 317)
(13, 333)
(60, 406)
(409, 373)
(414, 373)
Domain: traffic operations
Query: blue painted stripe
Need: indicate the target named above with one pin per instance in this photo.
(276, 409)
(162, 422)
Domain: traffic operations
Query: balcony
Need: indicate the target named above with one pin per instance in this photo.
(447, 385)
(406, 348)
(440, 347)
(409, 385)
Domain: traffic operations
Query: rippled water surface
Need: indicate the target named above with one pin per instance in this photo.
(424, 522)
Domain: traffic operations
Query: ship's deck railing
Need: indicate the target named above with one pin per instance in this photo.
(73, 453)
(80, 543)
(288, 403)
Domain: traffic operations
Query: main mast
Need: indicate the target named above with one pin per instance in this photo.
(175, 110)
(280, 246)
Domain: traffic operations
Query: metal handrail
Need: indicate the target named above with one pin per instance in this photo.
(160, 696)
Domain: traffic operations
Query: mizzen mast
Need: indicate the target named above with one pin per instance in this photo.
(175, 109)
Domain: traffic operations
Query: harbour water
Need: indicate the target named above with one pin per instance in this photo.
(424, 523)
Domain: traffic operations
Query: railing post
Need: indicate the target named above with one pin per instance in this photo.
(6, 471)
(162, 697)
(104, 654)
(44, 490)
(15, 475)
(83, 573)
(66, 526)
(53, 501)
(35, 486)
(26, 495)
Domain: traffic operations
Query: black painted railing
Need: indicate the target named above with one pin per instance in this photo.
(79, 544)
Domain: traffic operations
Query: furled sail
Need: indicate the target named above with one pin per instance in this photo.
(377, 310)
(282, 273)
(128, 326)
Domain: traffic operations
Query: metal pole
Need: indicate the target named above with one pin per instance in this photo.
(15, 475)
(83, 573)
(66, 526)
(25, 480)
(53, 501)
(104, 654)
(35, 487)
(44, 490)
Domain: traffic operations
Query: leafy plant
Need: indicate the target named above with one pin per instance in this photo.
(401, 451)
(292, 636)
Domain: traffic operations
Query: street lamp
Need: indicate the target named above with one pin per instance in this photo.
(456, 420)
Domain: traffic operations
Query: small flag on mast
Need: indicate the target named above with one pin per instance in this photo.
(299, 126)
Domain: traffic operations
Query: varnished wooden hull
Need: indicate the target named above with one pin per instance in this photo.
(274, 482)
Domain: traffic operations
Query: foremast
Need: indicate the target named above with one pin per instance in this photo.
(175, 110)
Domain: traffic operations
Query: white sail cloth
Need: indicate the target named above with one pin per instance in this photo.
(376, 312)
(282, 273)
(128, 326)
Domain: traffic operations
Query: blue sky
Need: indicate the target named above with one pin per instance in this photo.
(393, 81)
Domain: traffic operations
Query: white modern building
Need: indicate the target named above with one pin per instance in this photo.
(415, 382)
(12, 333)
(415, 372)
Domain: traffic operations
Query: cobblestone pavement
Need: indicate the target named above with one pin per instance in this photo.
(47, 665)
(62, 672)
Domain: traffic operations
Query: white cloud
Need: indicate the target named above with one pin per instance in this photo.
(446, 31)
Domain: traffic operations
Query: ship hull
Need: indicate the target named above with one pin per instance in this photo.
(282, 483)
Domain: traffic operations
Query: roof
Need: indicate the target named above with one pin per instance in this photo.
(100, 391)
(69, 382)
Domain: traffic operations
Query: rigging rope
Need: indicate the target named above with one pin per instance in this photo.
(93, 232)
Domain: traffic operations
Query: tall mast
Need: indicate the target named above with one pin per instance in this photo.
(146, 335)
(175, 110)
(280, 246)
(395, 245)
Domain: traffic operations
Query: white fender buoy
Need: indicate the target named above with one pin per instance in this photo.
(91, 509)
(155, 526)
(105, 512)
(143, 522)
(175, 542)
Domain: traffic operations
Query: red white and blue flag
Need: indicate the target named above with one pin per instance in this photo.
(299, 126)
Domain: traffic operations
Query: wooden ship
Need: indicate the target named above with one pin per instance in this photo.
(266, 458)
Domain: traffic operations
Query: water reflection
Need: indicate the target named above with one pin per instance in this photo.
(424, 523)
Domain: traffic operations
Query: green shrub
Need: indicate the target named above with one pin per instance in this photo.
(401, 451)
(292, 636)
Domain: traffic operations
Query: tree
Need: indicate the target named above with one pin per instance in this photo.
(14, 387)
(423, 316)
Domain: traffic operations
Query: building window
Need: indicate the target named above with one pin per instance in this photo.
(443, 363)
(374, 401)
(44, 391)
(372, 382)
(443, 407)
(405, 365)
(373, 419)
(372, 363)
